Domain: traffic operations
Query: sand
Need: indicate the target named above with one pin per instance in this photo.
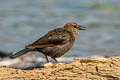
(80, 69)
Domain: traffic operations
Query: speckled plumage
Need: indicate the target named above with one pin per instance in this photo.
(55, 43)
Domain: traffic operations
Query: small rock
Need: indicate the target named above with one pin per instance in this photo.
(48, 65)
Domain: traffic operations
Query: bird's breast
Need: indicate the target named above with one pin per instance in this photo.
(58, 50)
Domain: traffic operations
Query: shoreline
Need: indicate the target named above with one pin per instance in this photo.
(80, 69)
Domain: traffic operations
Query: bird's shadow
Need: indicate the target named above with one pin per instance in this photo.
(35, 66)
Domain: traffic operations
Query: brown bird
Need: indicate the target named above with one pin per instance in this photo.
(55, 43)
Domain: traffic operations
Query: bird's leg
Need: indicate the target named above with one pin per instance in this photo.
(55, 60)
(46, 58)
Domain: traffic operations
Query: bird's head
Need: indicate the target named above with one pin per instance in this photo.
(74, 27)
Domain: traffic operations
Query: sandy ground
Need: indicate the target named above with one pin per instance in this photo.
(80, 69)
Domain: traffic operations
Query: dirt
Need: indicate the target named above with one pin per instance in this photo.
(80, 69)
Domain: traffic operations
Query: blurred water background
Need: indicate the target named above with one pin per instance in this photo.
(24, 21)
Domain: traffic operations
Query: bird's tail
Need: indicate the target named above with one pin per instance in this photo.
(20, 53)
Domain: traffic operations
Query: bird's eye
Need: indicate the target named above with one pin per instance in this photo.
(74, 26)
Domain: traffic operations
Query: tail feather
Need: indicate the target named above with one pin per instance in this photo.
(20, 53)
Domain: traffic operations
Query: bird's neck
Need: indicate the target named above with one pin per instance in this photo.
(74, 32)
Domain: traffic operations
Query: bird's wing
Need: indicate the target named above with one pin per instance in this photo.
(52, 38)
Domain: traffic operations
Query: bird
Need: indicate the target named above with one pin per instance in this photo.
(55, 43)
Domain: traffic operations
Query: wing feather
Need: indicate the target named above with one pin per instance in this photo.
(52, 38)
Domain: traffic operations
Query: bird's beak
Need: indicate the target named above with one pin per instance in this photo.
(82, 27)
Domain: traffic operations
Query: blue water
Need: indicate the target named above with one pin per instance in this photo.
(24, 21)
